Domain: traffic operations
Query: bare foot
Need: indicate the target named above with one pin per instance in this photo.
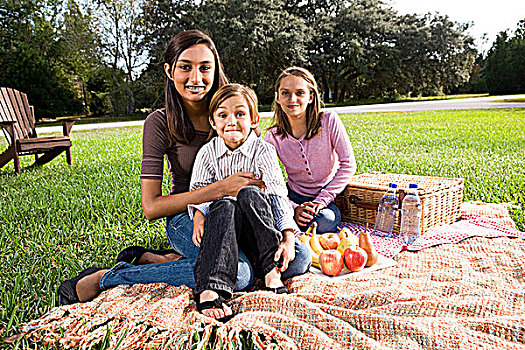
(88, 286)
(152, 258)
(209, 295)
(273, 279)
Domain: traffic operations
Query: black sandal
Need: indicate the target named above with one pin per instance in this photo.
(67, 291)
(278, 290)
(212, 304)
(132, 254)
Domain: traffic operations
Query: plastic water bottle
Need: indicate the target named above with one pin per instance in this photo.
(386, 212)
(410, 216)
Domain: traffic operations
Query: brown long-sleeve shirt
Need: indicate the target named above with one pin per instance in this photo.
(180, 157)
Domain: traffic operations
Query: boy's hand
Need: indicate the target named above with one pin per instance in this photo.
(263, 186)
(305, 212)
(286, 250)
(198, 227)
(234, 183)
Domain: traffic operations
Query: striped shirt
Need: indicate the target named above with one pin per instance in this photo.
(215, 161)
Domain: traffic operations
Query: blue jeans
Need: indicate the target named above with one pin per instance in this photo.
(179, 230)
(327, 219)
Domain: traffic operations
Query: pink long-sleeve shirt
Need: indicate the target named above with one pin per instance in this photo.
(321, 167)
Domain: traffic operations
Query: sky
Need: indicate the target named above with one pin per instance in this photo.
(490, 17)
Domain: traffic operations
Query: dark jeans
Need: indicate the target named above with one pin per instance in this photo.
(246, 223)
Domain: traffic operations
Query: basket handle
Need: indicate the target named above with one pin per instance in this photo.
(358, 202)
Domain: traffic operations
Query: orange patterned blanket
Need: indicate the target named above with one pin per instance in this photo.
(468, 295)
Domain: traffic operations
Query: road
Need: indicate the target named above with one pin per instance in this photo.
(435, 105)
(465, 103)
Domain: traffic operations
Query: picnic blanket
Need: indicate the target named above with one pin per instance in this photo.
(468, 295)
(478, 219)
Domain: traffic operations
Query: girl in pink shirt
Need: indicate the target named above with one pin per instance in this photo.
(313, 147)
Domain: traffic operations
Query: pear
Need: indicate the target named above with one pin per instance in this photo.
(366, 243)
(344, 232)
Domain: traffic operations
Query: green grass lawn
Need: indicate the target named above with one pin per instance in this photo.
(58, 219)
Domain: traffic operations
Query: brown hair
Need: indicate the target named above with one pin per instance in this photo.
(180, 127)
(313, 111)
(230, 90)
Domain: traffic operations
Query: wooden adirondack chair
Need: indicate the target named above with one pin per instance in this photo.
(17, 121)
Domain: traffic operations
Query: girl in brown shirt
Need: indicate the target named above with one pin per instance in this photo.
(193, 74)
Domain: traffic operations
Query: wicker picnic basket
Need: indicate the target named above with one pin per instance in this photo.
(440, 198)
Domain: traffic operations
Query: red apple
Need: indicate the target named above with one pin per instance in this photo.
(329, 240)
(355, 258)
(331, 262)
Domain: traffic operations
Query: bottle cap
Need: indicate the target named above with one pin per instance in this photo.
(392, 185)
(412, 186)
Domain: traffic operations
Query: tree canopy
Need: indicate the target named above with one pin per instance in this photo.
(505, 64)
(105, 56)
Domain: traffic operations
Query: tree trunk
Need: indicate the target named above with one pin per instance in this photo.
(326, 88)
(342, 95)
(126, 92)
(130, 103)
(335, 97)
(84, 98)
(119, 88)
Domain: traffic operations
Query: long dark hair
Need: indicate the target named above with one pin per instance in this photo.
(313, 111)
(180, 127)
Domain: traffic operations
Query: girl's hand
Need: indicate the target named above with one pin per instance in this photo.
(198, 228)
(234, 183)
(286, 250)
(316, 207)
(305, 212)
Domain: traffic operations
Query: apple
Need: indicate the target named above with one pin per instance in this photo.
(331, 262)
(329, 240)
(355, 258)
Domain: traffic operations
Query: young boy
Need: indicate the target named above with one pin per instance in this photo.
(258, 221)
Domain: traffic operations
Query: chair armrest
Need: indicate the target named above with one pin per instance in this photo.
(54, 121)
(45, 122)
(9, 126)
(7, 122)
(67, 124)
